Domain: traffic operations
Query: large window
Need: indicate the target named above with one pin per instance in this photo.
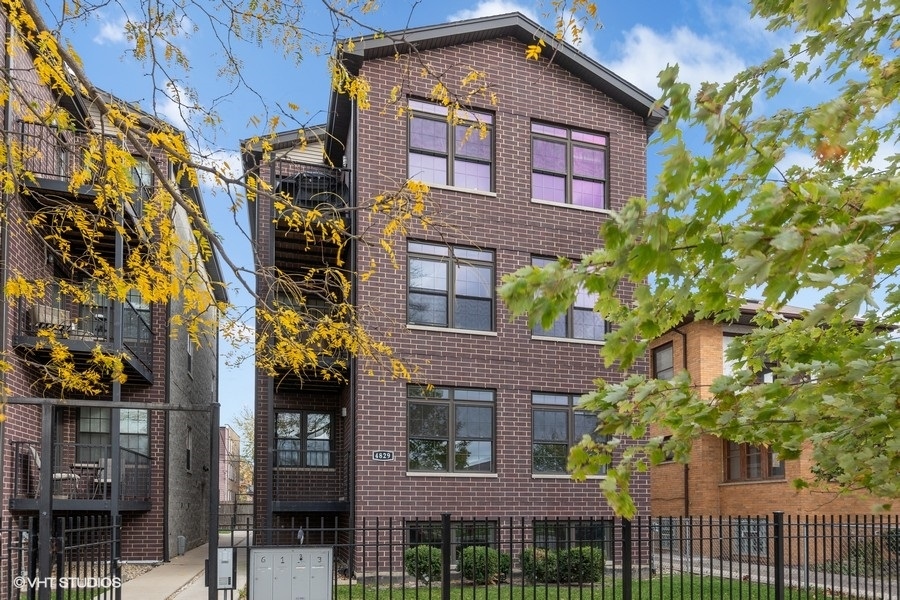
(747, 462)
(451, 430)
(303, 439)
(580, 321)
(564, 534)
(95, 437)
(450, 286)
(568, 166)
(663, 361)
(557, 426)
(450, 150)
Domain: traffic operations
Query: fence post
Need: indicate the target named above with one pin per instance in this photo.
(626, 559)
(779, 554)
(445, 556)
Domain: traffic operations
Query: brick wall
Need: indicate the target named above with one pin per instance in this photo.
(509, 360)
(708, 492)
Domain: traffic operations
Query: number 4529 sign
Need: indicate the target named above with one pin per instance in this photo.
(382, 455)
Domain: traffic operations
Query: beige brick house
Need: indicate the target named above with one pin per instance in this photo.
(724, 478)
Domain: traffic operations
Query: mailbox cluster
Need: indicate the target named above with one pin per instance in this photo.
(291, 573)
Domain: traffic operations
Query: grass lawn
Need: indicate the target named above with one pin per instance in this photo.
(670, 587)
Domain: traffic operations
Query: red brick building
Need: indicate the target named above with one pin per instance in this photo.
(725, 478)
(564, 143)
(65, 453)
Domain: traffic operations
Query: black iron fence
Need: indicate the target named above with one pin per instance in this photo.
(80, 562)
(744, 557)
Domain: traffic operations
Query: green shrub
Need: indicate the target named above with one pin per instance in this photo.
(423, 562)
(540, 565)
(581, 565)
(505, 565)
(578, 565)
(480, 564)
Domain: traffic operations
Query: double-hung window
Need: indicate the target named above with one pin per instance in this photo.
(579, 322)
(748, 462)
(662, 360)
(451, 149)
(569, 166)
(95, 432)
(303, 439)
(451, 430)
(557, 425)
(450, 286)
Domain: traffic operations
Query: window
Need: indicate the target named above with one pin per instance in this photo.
(663, 361)
(568, 166)
(143, 179)
(451, 430)
(563, 534)
(94, 432)
(188, 449)
(557, 426)
(751, 537)
(303, 439)
(580, 322)
(455, 150)
(462, 534)
(746, 462)
(450, 287)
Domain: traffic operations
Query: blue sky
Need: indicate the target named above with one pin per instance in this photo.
(710, 40)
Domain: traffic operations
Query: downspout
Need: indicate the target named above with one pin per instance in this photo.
(270, 390)
(354, 299)
(687, 466)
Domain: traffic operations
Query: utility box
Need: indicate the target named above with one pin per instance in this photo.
(291, 573)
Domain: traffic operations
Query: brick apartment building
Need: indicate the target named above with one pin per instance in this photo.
(726, 478)
(565, 141)
(65, 453)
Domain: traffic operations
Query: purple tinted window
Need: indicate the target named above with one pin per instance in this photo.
(587, 193)
(474, 176)
(549, 156)
(427, 168)
(588, 162)
(427, 134)
(551, 188)
(560, 132)
(592, 138)
(469, 142)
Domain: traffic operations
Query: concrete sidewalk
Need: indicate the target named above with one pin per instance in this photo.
(182, 578)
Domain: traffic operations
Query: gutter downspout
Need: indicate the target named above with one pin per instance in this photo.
(687, 466)
(354, 298)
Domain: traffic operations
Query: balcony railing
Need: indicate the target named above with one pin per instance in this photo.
(92, 323)
(79, 472)
(45, 150)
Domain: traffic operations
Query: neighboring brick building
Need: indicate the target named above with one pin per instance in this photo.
(379, 446)
(229, 465)
(66, 453)
(725, 478)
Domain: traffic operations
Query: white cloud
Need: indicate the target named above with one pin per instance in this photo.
(489, 8)
(647, 52)
(111, 32)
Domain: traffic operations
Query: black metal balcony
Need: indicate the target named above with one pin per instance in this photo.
(82, 326)
(82, 477)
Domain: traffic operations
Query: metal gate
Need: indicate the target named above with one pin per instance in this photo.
(84, 559)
